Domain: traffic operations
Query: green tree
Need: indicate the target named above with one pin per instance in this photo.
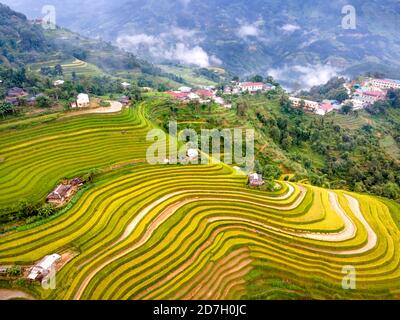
(43, 102)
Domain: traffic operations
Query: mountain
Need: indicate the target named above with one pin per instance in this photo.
(24, 42)
(20, 41)
(294, 41)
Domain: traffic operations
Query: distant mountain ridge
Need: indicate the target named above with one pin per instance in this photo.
(301, 40)
(24, 42)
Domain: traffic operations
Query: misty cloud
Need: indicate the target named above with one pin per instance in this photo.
(306, 76)
(290, 28)
(136, 40)
(250, 29)
(180, 45)
(192, 56)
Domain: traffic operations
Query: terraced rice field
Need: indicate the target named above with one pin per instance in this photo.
(188, 232)
(77, 66)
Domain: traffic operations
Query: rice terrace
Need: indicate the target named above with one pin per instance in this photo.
(173, 153)
(141, 231)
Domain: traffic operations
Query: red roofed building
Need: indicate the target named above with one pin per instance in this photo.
(324, 108)
(375, 94)
(178, 95)
(205, 93)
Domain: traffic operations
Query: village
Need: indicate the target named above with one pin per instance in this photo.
(208, 94)
(18, 97)
(361, 95)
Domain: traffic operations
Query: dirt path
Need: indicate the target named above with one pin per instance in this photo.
(115, 107)
(6, 294)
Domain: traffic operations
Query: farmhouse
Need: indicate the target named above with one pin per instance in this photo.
(125, 85)
(16, 92)
(124, 100)
(43, 268)
(60, 194)
(83, 100)
(256, 180)
(58, 83)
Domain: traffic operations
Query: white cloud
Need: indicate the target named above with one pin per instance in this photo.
(250, 29)
(182, 34)
(127, 41)
(192, 56)
(290, 27)
(306, 75)
(179, 45)
(215, 60)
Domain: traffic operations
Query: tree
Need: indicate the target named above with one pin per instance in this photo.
(393, 97)
(347, 108)
(6, 108)
(271, 171)
(43, 102)
(257, 78)
(58, 70)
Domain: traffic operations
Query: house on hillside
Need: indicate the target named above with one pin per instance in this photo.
(205, 94)
(178, 95)
(124, 100)
(256, 180)
(251, 86)
(44, 267)
(60, 194)
(83, 100)
(385, 84)
(308, 105)
(58, 83)
(125, 85)
(185, 89)
(14, 95)
(16, 92)
(324, 108)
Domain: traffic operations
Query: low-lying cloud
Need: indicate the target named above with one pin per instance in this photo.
(306, 76)
(250, 29)
(289, 28)
(191, 56)
(179, 45)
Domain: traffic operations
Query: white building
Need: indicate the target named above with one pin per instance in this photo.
(311, 105)
(58, 83)
(385, 84)
(83, 100)
(185, 89)
(43, 268)
(252, 86)
(125, 85)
